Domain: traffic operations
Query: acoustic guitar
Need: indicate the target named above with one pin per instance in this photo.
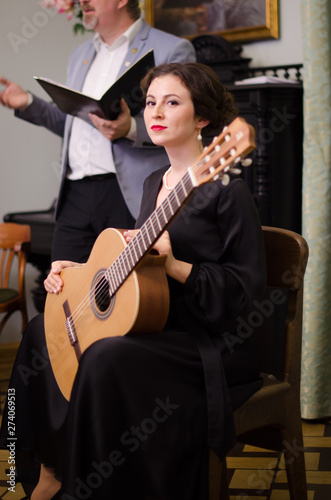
(123, 287)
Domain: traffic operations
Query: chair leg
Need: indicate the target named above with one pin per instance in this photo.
(218, 483)
(4, 320)
(292, 441)
(25, 318)
(24, 312)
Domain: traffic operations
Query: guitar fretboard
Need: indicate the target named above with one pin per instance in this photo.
(235, 142)
(148, 234)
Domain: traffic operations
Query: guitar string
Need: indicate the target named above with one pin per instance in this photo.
(116, 268)
(98, 290)
(119, 269)
(122, 264)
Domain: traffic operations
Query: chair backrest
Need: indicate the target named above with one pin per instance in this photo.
(14, 240)
(287, 257)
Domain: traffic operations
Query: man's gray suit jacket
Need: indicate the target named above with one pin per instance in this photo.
(134, 160)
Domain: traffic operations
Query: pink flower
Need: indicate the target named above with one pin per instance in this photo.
(62, 6)
(49, 4)
(69, 7)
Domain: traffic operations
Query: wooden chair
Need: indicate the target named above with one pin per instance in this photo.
(14, 242)
(271, 418)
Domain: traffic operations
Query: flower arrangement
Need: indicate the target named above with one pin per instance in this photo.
(71, 8)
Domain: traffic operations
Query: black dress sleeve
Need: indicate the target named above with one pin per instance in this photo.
(216, 292)
(220, 234)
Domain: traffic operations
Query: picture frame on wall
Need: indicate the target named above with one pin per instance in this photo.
(235, 20)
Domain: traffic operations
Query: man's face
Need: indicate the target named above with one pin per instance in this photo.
(101, 14)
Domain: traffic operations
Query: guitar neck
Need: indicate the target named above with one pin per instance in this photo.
(226, 150)
(149, 233)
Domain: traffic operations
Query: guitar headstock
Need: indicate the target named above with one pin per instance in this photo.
(226, 151)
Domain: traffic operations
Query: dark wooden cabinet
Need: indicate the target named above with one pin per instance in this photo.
(275, 177)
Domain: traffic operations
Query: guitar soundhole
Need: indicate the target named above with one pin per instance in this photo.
(102, 298)
(102, 303)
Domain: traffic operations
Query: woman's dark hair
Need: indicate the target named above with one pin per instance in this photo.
(133, 9)
(211, 100)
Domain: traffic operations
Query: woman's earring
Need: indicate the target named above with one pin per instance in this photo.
(199, 135)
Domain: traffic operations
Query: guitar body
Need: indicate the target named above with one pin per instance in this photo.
(140, 305)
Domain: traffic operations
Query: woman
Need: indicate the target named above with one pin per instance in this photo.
(145, 409)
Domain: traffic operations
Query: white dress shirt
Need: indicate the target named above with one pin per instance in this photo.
(90, 152)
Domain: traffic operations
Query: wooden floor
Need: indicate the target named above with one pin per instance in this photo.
(7, 356)
(254, 474)
(260, 474)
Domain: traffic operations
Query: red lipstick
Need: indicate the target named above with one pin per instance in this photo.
(157, 128)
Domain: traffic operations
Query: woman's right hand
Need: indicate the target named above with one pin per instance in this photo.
(54, 283)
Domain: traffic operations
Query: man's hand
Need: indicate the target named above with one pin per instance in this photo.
(114, 129)
(13, 97)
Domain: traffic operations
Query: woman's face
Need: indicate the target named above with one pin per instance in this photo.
(169, 113)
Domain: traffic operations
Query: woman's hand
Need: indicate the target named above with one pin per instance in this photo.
(177, 269)
(54, 283)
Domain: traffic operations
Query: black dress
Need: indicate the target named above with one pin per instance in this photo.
(145, 409)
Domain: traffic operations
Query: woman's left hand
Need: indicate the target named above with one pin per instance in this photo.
(177, 269)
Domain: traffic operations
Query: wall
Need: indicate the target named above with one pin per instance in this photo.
(288, 48)
(34, 41)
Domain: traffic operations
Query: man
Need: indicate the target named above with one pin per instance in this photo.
(105, 163)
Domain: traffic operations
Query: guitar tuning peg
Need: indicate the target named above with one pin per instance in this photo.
(225, 179)
(246, 162)
(235, 171)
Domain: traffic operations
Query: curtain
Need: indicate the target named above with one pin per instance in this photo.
(316, 209)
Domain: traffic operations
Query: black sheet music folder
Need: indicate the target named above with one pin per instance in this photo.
(80, 105)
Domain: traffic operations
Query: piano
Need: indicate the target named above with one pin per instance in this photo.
(42, 227)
